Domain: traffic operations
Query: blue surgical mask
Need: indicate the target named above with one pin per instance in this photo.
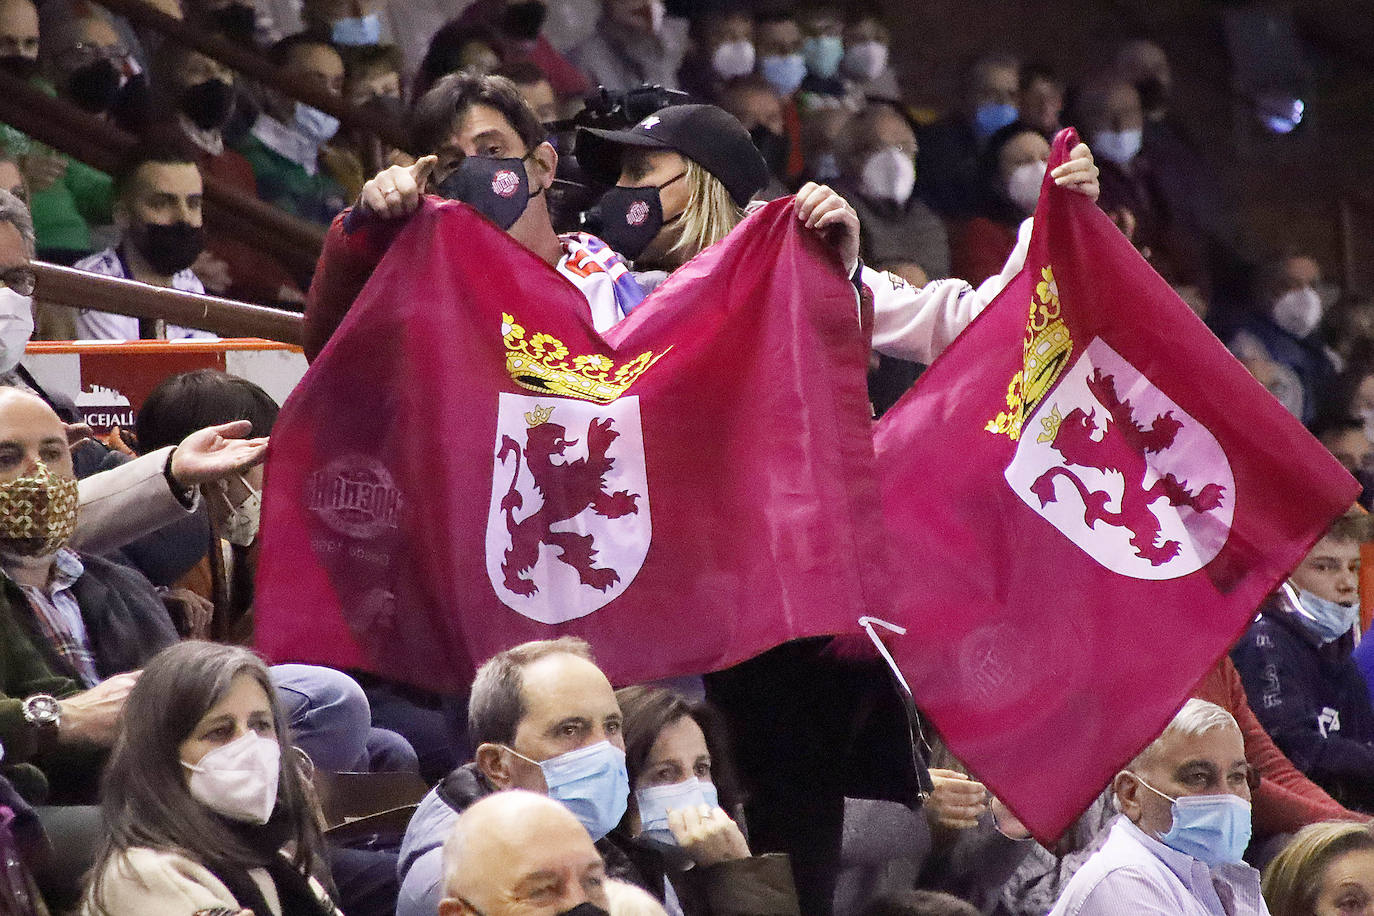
(316, 124)
(1118, 146)
(1214, 829)
(656, 801)
(361, 32)
(823, 54)
(784, 72)
(591, 782)
(1326, 620)
(990, 118)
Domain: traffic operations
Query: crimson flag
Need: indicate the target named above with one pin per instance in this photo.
(1088, 497)
(469, 465)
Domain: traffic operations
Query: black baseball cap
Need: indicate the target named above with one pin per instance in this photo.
(709, 136)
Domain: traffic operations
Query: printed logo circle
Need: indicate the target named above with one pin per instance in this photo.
(505, 183)
(637, 214)
(356, 496)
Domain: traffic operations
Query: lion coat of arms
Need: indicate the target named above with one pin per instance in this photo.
(568, 526)
(1123, 472)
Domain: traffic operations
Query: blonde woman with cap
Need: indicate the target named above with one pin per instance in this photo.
(682, 179)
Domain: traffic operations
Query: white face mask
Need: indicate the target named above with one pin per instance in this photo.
(734, 58)
(1023, 187)
(1298, 311)
(888, 174)
(316, 124)
(239, 779)
(16, 326)
(1118, 146)
(865, 60)
(241, 526)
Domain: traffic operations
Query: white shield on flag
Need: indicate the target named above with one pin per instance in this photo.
(568, 528)
(1124, 472)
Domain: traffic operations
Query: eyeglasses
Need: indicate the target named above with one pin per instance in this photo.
(20, 279)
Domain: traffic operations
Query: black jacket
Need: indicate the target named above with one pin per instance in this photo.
(1313, 701)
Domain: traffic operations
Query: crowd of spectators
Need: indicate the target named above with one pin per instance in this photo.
(152, 765)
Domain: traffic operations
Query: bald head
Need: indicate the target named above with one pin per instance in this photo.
(31, 432)
(517, 851)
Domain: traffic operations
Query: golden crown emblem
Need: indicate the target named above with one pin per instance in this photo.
(1044, 352)
(538, 415)
(540, 363)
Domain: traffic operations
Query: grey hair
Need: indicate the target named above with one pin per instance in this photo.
(15, 212)
(497, 702)
(1196, 718)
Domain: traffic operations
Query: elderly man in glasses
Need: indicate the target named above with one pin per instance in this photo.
(1185, 823)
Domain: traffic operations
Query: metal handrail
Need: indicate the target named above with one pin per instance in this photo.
(73, 288)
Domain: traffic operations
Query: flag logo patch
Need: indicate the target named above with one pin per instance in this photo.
(505, 183)
(568, 526)
(355, 496)
(1123, 472)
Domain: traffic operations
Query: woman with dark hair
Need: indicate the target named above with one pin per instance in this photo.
(689, 851)
(1010, 172)
(468, 46)
(182, 402)
(234, 507)
(204, 793)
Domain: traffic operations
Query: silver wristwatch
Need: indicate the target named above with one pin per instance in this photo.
(43, 711)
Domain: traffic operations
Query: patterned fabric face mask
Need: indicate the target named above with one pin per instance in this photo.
(37, 513)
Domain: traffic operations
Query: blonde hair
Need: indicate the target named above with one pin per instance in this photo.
(1292, 882)
(710, 215)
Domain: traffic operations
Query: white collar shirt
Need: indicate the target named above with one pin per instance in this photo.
(94, 325)
(1133, 873)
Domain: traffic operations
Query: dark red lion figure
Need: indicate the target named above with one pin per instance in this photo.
(567, 489)
(1123, 449)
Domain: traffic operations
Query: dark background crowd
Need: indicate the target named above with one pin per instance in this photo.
(1232, 144)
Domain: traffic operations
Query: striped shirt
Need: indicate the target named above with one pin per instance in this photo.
(58, 616)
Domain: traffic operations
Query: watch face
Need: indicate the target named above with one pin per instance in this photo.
(42, 710)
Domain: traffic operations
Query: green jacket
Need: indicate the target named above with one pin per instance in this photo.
(126, 624)
(64, 212)
(286, 184)
(23, 672)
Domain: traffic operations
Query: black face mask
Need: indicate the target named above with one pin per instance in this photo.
(585, 909)
(169, 249)
(772, 147)
(208, 104)
(238, 22)
(524, 20)
(95, 86)
(499, 189)
(17, 65)
(582, 909)
(388, 106)
(628, 219)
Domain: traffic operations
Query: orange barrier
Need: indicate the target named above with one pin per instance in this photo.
(109, 380)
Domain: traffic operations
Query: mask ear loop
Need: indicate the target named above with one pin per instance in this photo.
(530, 157)
(920, 749)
